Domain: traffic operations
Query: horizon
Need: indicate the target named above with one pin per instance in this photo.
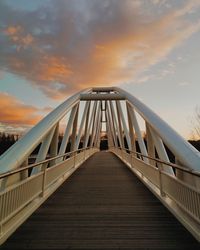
(53, 49)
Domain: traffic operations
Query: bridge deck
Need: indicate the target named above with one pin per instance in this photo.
(102, 206)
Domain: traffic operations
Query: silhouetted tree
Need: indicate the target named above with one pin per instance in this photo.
(6, 141)
(196, 123)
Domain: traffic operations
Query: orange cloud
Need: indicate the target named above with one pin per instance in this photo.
(54, 69)
(17, 35)
(15, 112)
(114, 61)
(122, 55)
(98, 43)
(12, 30)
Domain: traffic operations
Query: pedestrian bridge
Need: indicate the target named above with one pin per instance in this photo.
(142, 192)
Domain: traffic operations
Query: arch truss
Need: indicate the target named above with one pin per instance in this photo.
(35, 166)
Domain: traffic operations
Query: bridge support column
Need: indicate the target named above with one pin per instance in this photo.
(74, 130)
(98, 132)
(150, 145)
(95, 124)
(115, 124)
(44, 150)
(87, 105)
(67, 131)
(86, 126)
(161, 151)
(138, 133)
(89, 132)
(124, 124)
(131, 130)
(54, 145)
(109, 130)
(24, 174)
(111, 124)
(120, 126)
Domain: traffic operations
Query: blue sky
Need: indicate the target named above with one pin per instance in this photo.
(51, 49)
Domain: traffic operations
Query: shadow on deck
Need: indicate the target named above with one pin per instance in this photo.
(102, 206)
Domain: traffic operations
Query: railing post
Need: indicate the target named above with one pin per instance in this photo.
(160, 180)
(122, 154)
(74, 160)
(44, 179)
(131, 160)
(84, 154)
(1, 224)
(1, 229)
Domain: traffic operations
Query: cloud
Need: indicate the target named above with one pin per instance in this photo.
(15, 113)
(64, 46)
(12, 30)
(145, 78)
(159, 2)
(183, 84)
(1, 74)
(17, 36)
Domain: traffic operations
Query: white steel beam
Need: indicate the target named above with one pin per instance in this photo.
(103, 89)
(74, 130)
(131, 129)
(115, 123)
(186, 153)
(112, 126)
(68, 131)
(81, 128)
(54, 145)
(92, 117)
(86, 125)
(43, 150)
(114, 96)
(109, 128)
(98, 129)
(96, 120)
(17, 154)
(99, 137)
(124, 124)
(121, 136)
(161, 151)
(109, 136)
(150, 145)
(138, 133)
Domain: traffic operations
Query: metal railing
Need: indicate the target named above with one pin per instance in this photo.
(157, 160)
(19, 201)
(181, 197)
(31, 166)
(176, 186)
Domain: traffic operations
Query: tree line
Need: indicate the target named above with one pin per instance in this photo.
(7, 140)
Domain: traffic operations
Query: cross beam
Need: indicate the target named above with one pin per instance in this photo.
(95, 97)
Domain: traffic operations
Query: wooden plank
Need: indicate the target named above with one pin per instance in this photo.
(102, 206)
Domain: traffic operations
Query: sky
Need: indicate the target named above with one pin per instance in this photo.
(52, 49)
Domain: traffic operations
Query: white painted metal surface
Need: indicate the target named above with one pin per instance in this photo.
(177, 186)
(16, 154)
(187, 154)
(18, 202)
(182, 199)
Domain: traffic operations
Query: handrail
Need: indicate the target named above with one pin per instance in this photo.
(39, 163)
(188, 155)
(163, 162)
(17, 153)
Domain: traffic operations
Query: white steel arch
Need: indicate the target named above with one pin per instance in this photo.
(185, 152)
(15, 155)
(176, 185)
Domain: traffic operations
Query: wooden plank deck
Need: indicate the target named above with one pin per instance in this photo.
(102, 206)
